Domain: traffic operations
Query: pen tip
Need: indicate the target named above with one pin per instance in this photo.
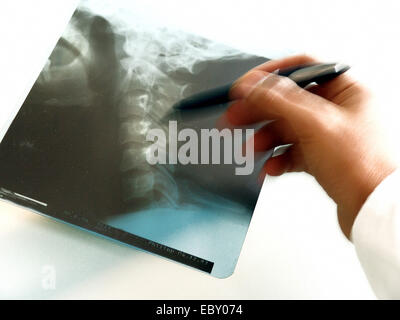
(341, 67)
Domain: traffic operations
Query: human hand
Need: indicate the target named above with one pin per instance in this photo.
(332, 127)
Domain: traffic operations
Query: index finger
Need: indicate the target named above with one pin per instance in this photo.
(286, 62)
(250, 78)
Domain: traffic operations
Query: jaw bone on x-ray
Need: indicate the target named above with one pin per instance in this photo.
(76, 149)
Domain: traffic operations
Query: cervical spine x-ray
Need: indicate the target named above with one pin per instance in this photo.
(76, 149)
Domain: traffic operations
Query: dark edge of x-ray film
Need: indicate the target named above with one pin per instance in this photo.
(74, 151)
(109, 231)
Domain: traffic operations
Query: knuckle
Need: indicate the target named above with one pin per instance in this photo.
(284, 84)
(284, 88)
(275, 84)
(274, 88)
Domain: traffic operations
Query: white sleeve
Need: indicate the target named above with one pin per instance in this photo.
(376, 237)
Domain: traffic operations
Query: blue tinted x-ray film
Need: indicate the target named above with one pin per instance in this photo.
(76, 149)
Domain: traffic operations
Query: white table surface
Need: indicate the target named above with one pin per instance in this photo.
(294, 248)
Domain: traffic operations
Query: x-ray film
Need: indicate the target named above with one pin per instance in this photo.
(76, 151)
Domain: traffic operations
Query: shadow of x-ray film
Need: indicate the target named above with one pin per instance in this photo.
(76, 151)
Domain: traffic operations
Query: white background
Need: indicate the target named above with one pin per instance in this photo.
(294, 248)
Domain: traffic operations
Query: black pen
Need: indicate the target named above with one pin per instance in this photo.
(303, 75)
